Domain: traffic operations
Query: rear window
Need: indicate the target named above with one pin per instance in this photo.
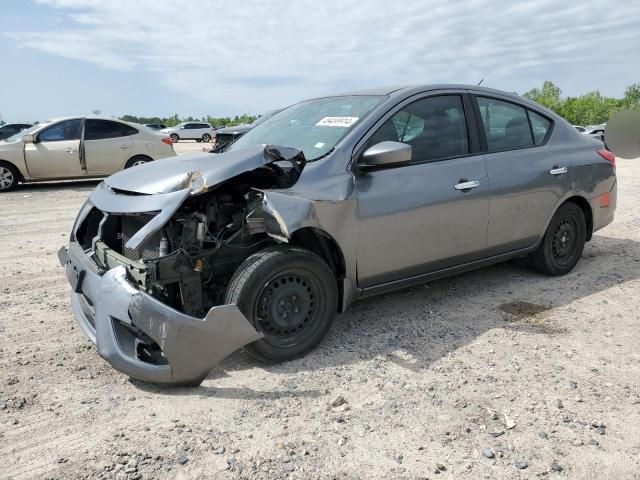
(506, 125)
(103, 129)
(540, 127)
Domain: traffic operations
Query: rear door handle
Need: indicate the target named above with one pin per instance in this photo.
(125, 147)
(70, 150)
(558, 170)
(467, 185)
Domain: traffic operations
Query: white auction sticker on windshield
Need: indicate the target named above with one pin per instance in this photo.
(337, 121)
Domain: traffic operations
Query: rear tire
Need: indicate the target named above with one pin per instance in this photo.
(9, 177)
(290, 295)
(137, 160)
(174, 137)
(206, 138)
(563, 242)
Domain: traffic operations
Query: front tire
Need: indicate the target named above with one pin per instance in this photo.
(563, 242)
(9, 177)
(290, 295)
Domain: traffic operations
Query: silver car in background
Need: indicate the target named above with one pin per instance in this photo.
(77, 147)
(175, 265)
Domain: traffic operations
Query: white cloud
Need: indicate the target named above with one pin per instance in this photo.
(259, 54)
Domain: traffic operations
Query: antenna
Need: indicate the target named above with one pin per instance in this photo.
(480, 82)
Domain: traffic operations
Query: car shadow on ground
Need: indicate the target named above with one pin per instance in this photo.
(416, 327)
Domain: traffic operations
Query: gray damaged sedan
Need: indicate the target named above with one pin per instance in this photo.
(174, 265)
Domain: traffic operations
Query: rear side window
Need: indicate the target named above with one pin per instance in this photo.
(506, 125)
(103, 129)
(539, 126)
(67, 130)
(128, 130)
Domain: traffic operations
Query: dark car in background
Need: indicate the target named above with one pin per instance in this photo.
(10, 129)
(226, 136)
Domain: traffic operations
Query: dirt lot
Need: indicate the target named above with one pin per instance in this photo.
(499, 373)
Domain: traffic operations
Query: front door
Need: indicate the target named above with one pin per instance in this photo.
(432, 213)
(56, 151)
(527, 178)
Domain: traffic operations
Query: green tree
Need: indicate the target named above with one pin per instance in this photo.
(631, 98)
(548, 96)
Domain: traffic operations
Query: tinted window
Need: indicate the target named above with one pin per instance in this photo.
(505, 124)
(128, 130)
(102, 129)
(435, 127)
(67, 130)
(540, 127)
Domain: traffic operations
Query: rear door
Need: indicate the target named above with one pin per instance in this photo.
(56, 151)
(418, 218)
(107, 146)
(528, 178)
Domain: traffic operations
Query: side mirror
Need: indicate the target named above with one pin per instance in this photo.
(28, 138)
(386, 154)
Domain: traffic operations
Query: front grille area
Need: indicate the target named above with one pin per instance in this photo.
(130, 226)
(116, 232)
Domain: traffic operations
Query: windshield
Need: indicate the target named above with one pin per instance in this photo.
(264, 117)
(18, 136)
(314, 126)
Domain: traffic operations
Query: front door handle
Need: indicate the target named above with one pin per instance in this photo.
(466, 185)
(558, 170)
(125, 147)
(70, 150)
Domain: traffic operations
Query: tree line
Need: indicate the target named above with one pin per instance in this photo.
(592, 108)
(175, 120)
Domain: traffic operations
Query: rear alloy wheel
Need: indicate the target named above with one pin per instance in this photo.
(174, 137)
(206, 138)
(8, 177)
(137, 160)
(289, 294)
(562, 245)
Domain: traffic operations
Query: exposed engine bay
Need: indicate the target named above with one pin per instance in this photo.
(187, 264)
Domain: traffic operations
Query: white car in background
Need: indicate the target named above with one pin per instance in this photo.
(78, 147)
(198, 131)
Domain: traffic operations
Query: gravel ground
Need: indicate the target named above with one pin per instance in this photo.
(499, 373)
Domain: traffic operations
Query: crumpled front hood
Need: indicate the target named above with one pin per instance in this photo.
(172, 174)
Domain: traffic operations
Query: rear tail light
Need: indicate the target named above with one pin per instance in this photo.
(607, 155)
(167, 140)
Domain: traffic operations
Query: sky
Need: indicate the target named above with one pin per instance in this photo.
(213, 57)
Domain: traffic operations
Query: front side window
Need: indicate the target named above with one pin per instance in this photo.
(314, 126)
(102, 129)
(435, 128)
(506, 125)
(66, 130)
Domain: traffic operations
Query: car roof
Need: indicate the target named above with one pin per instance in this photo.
(404, 89)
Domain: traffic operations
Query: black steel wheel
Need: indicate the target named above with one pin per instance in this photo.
(563, 242)
(289, 294)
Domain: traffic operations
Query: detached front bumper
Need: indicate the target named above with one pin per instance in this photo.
(113, 313)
